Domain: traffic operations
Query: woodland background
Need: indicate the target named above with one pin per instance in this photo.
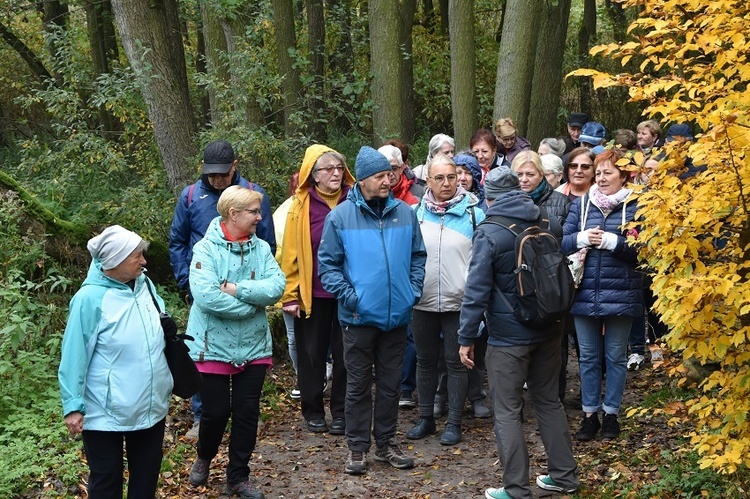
(105, 106)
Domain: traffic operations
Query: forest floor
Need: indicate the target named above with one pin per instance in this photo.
(291, 462)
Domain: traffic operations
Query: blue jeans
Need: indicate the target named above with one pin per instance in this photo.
(589, 331)
(290, 340)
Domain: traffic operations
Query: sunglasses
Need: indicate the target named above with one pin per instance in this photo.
(582, 166)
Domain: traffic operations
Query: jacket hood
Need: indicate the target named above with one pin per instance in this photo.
(312, 154)
(515, 204)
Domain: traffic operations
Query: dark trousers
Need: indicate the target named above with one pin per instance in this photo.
(426, 328)
(314, 336)
(538, 365)
(237, 395)
(105, 457)
(409, 370)
(363, 347)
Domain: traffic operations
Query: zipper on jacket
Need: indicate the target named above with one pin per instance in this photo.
(388, 273)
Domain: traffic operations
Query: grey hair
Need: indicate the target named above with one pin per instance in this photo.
(439, 159)
(391, 152)
(551, 163)
(556, 146)
(436, 143)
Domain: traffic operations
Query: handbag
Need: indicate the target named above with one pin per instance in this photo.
(577, 261)
(187, 379)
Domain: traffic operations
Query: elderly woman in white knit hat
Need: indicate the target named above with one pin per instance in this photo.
(114, 379)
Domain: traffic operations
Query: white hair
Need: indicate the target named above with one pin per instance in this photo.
(551, 163)
(436, 143)
(391, 152)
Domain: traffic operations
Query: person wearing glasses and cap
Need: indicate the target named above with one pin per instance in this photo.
(195, 209)
(324, 183)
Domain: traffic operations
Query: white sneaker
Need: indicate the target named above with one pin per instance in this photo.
(635, 361)
(329, 370)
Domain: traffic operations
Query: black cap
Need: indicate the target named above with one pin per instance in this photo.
(577, 119)
(218, 157)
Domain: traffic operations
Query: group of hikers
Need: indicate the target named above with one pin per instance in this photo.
(398, 276)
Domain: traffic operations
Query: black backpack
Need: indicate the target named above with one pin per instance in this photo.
(545, 288)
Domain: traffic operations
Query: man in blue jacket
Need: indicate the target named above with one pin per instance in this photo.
(195, 209)
(515, 352)
(372, 258)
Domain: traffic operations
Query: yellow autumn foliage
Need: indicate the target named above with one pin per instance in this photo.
(695, 69)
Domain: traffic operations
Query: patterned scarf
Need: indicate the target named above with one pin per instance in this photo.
(440, 207)
(607, 203)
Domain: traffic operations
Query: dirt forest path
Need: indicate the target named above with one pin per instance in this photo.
(290, 462)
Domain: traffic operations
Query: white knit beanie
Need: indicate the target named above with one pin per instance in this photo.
(113, 246)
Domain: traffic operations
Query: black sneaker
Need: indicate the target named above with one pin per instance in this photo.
(589, 427)
(245, 490)
(407, 400)
(199, 471)
(356, 464)
(610, 426)
(392, 453)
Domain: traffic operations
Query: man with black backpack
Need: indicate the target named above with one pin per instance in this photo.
(518, 280)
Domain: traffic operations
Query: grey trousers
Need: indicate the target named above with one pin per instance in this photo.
(363, 348)
(538, 365)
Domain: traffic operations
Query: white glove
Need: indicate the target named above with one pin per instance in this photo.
(582, 240)
(609, 241)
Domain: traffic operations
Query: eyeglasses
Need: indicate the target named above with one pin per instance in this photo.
(330, 169)
(505, 140)
(442, 178)
(582, 166)
(254, 212)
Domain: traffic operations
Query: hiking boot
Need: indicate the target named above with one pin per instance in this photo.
(438, 408)
(589, 427)
(407, 400)
(547, 483)
(192, 433)
(610, 426)
(392, 453)
(497, 494)
(451, 435)
(635, 361)
(480, 410)
(245, 490)
(199, 471)
(317, 425)
(356, 464)
(424, 427)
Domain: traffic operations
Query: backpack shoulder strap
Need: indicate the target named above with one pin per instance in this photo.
(190, 195)
(504, 222)
(474, 219)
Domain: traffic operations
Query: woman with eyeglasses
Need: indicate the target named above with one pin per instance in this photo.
(610, 295)
(233, 277)
(578, 173)
(510, 143)
(324, 182)
(447, 217)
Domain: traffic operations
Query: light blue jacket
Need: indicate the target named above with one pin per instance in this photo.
(228, 328)
(373, 265)
(113, 368)
(447, 238)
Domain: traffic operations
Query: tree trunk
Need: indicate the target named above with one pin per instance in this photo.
(386, 70)
(215, 45)
(98, 16)
(55, 16)
(444, 21)
(408, 98)
(163, 79)
(548, 64)
(515, 65)
(291, 86)
(204, 119)
(28, 56)
(342, 59)
(316, 46)
(619, 20)
(244, 98)
(463, 71)
(587, 31)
